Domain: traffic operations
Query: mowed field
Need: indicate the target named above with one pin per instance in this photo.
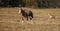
(10, 20)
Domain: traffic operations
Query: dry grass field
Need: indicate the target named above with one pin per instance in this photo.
(10, 20)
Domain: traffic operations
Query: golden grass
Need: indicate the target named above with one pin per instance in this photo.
(10, 20)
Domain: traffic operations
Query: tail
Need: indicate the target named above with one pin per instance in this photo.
(31, 14)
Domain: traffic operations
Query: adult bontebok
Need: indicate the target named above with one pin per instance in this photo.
(26, 14)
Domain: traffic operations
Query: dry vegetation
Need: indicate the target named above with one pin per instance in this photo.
(10, 20)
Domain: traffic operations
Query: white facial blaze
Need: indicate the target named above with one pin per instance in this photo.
(19, 12)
